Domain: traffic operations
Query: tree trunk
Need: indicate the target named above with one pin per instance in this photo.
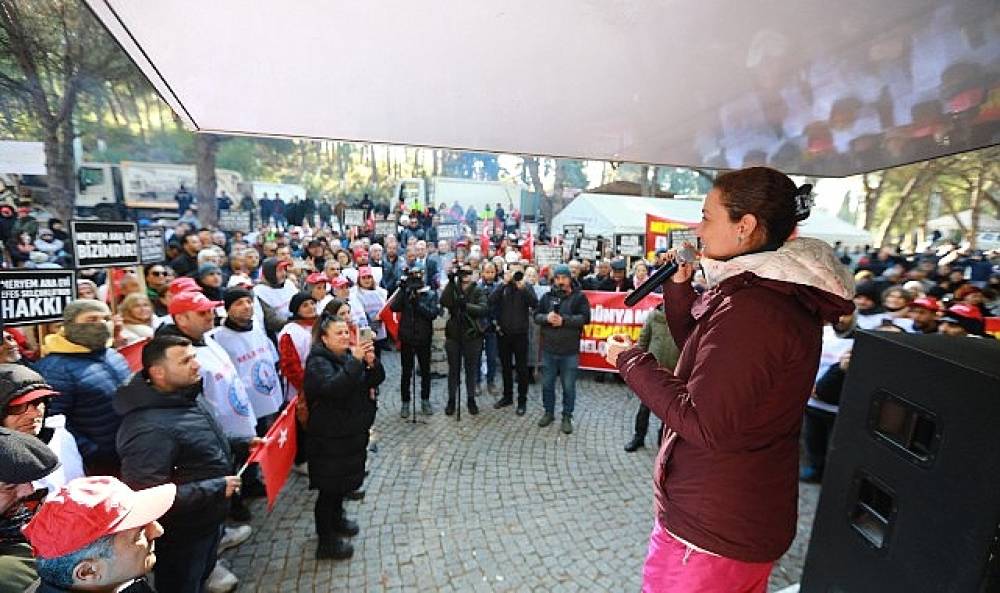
(872, 194)
(908, 190)
(374, 163)
(644, 185)
(975, 203)
(61, 196)
(206, 147)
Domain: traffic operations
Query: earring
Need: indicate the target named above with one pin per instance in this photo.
(739, 239)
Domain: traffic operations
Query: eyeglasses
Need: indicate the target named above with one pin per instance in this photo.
(157, 273)
(18, 409)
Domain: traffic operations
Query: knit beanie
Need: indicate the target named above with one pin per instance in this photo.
(75, 308)
(231, 295)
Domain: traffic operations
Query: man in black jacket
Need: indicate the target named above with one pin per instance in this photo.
(186, 264)
(418, 307)
(167, 435)
(562, 313)
(467, 312)
(512, 303)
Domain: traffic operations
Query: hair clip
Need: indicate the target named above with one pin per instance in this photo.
(804, 201)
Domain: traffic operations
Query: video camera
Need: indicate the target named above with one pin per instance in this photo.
(456, 275)
(412, 279)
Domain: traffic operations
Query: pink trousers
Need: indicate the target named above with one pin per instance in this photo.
(674, 567)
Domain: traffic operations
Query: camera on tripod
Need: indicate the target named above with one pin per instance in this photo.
(412, 279)
(457, 274)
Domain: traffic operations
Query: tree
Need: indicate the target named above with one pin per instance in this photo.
(50, 53)
(206, 146)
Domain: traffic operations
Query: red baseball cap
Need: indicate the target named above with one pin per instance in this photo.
(87, 509)
(317, 278)
(191, 301)
(929, 303)
(341, 282)
(364, 271)
(32, 395)
(966, 311)
(183, 284)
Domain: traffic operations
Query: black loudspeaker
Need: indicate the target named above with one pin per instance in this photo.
(911, 490)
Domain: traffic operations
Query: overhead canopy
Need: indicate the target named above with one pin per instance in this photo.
(606, 215)
(807, 86)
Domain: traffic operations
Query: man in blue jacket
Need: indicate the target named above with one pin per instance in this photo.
(81, 365)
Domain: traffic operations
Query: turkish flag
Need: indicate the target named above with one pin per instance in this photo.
(133, 354)
(528, 249)
(484, 241)
(390, 318)
(277, 455)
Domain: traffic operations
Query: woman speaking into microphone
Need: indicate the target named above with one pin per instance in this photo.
(725, 479)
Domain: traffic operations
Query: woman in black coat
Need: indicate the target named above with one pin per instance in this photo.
(339, 386)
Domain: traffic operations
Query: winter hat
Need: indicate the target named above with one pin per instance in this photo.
(234, 294)
(867, 288)
(79, 306)
(20, 385)
(24, 458)
(561, 270)
(297, 301)
(209, 268)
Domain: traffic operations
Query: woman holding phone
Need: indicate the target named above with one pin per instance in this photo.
(339, 378)
(726, 477)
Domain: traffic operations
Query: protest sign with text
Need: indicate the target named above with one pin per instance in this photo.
(28, 297)
(610, 316)
(105, 244)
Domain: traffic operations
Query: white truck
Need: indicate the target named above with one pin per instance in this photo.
(133, 190)
(467, 192)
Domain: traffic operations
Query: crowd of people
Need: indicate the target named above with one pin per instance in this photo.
(236, 326)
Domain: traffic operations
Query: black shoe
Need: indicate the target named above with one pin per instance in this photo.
(449, 409)
(472, 406)
(522, 407)
(637, 442)
(334, 549)
(347, 528)
(356, 495)
(503, 403)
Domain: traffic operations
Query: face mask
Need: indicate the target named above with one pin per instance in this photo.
(94, 336)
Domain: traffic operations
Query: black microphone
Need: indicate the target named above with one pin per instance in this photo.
(685, 255)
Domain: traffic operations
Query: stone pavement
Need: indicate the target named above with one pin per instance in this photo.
(491, 503)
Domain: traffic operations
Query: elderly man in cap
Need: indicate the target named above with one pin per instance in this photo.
(169, 435)
(23, 459)
(96, 534)
(562, 312)
(23, 399)
(86, 371)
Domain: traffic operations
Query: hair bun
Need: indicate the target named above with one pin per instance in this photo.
(804, 202)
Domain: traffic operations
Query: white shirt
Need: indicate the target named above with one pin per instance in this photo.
(255, 357)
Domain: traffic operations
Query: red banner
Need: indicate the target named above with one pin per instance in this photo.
(609, 316)
(993, 326)
(658, 232)
(277, 455)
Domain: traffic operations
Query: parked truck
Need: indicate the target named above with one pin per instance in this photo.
(467, 192)
(131, 190)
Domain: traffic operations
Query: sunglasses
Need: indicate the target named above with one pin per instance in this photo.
(157, 273)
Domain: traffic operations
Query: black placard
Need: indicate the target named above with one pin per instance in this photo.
(630, 244)
(151, 247)
(105, 244)
(29, 297)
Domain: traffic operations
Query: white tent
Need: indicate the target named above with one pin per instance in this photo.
(947, 223)
(606, 214)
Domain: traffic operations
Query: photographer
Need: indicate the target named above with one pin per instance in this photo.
(512, 303)
(418, 307)
(467, 311)
(562, 313)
